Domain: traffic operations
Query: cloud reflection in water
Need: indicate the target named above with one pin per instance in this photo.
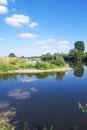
(19, 94)
(28, 79)
(4, 104)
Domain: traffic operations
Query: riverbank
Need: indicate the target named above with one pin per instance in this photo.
(37, 70)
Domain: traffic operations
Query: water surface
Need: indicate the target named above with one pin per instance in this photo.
(46, 99)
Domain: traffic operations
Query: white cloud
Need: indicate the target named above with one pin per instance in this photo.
(63, 42)
(46, 47)
(3, 2)
(40, 42)
(64, 46)
(17, 20)
(3, 9)
(33, 24)
(51, 40)
(28, 35)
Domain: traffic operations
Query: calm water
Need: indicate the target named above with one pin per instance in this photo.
(46, 99)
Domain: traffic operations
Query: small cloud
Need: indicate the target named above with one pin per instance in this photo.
(63, 42)
(41, 42)
(19, 94)
(51, 40)
(28, 35)
(3, 2)
(17, 20)
(33, 24)
(3, 9)
(46, 47)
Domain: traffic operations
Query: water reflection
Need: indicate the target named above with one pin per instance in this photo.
(78, 68)
(8, 76)
(44, 75)
(4, 104)
(60, 75)
(19, 94)
(28, 78)
(32, 77)
(33, 89)
(43, 104)
(82, 107)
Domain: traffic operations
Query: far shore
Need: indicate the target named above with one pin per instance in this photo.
(36, 70)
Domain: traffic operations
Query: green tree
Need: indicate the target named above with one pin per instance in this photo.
(12, 55)
(79, 45)
(58, 60)
(46, 57)
(75, 54)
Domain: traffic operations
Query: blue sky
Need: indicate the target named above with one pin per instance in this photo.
(35, 27)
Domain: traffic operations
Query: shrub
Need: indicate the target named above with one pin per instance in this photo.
(41, 65)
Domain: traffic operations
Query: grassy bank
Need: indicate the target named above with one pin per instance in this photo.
(12, 64)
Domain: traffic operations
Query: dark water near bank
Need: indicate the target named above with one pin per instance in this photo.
(53, 99)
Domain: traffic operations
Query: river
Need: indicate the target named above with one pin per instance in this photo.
(51, 101)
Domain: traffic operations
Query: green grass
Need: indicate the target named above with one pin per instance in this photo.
(20, 64)
(47, 65)
(3, 127)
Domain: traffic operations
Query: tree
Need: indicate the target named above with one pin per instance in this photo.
(75, 54)
(58, 60)
(12, 55)
(79, 45)
(46, 57)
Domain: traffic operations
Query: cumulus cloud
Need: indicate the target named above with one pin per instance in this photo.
(17, 20)
(3, 9)
(3, 2)
(33, 24)
(28, 35)
(19, 94)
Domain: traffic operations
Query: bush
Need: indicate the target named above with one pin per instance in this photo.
(59, 60)
(41, 65)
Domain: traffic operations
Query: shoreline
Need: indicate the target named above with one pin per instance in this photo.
(36, 71)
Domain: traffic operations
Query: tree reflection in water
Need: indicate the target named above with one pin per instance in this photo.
(78, 68)
(60, 75)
